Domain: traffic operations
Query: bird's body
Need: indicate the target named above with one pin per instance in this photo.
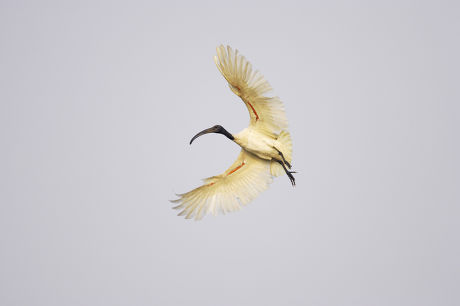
(266, 147)
(257, 143)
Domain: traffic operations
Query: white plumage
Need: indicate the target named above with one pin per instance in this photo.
(266, 147)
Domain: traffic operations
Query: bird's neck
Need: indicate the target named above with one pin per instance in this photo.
(227, 134)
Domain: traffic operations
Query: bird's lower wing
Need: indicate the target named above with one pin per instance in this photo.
(237, 186)
(267, 113)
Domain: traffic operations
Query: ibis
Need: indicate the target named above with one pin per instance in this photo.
(266, 146)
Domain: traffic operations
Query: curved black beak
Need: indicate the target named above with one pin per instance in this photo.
(214, 129)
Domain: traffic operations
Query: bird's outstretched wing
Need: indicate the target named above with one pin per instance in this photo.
(266, 113)
(237, 186)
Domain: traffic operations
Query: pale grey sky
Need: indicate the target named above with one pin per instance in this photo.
(98, 101)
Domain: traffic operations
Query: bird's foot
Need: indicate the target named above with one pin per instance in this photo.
(289, 173)
(291, 177)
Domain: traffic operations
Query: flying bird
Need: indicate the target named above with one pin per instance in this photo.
(266, 147)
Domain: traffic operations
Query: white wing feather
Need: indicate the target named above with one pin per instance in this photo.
(237, 186)
(267, 114)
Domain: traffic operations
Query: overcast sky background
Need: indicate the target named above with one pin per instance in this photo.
(98, 101)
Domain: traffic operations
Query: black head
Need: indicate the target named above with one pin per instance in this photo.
(215, 129)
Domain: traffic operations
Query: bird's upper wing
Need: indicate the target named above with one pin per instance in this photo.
(265, 112)
(237, 186)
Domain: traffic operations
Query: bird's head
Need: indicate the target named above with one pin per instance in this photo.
(215, 129)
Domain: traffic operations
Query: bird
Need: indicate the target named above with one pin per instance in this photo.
(266, 145)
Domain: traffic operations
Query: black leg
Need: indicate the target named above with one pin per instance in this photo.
(282, 156)
(289, 173)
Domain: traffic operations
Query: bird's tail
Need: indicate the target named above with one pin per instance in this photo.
(284, 145)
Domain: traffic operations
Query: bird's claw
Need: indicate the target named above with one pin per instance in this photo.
(291, 177)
